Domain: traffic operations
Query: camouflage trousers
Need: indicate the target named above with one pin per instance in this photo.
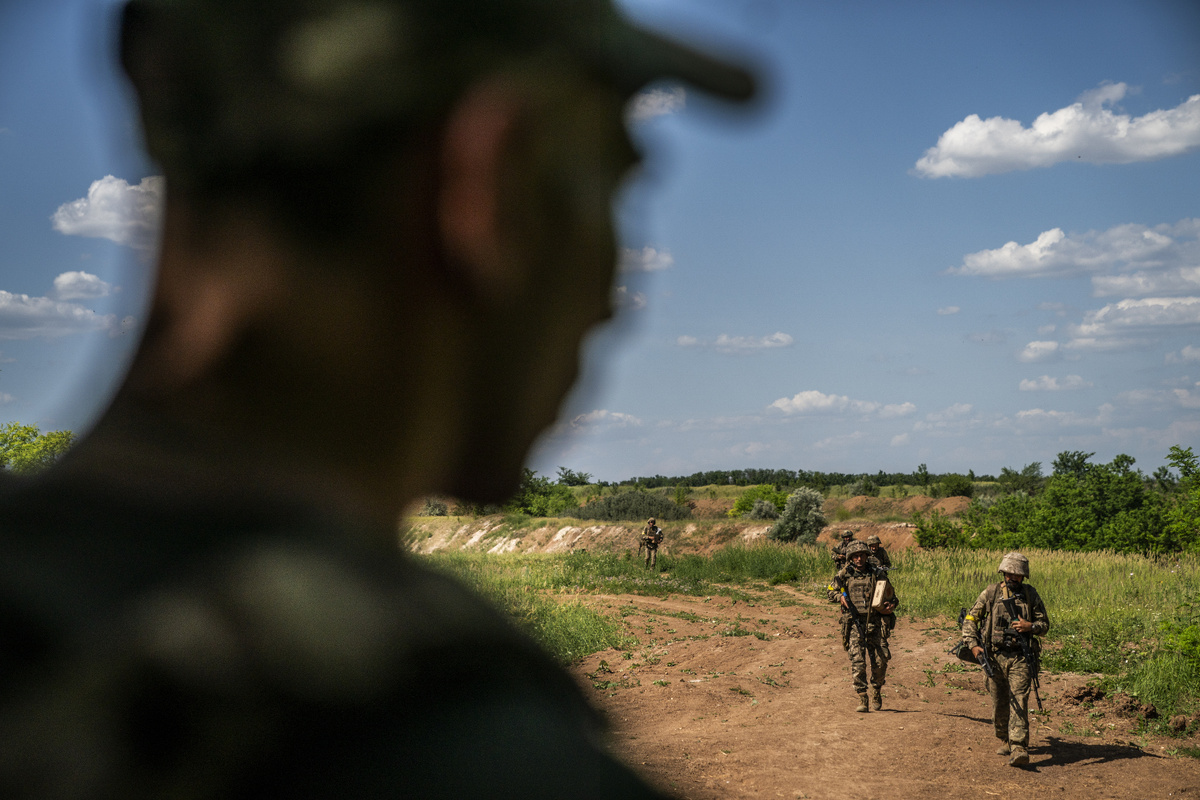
(1010, 693)
(860, 651)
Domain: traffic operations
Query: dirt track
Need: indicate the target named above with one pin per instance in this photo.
(708, 715)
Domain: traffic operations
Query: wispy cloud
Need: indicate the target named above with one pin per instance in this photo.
(624, 297)
(1135, 259)
(1187, 355)
(647, 259)
(948, 311)
(25, 317)
(116, 210)
(655, 103)
(602, 418)
(812, 402)
(1049, 383)
(1087, 130)
(1134, 323)
(738, 345)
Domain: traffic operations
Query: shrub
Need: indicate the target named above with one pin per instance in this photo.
(937, 530)
(954, 485)
(762, 509)
(802, 518)
(631, 506)
(540, 497)
(746, 502)
(433, 508)
(864, 488)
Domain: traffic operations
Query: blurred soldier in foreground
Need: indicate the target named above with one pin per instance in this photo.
(652, 537)
(861, 624)
(387, 229)
(1003, 626)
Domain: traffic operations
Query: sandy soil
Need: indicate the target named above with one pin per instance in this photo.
(709, 715)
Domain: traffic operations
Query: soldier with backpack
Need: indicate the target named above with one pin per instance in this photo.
(862, 624)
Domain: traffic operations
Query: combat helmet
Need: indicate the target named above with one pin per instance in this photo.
(856, 547)
(847, 534)
(1015, 563)
(873, 539)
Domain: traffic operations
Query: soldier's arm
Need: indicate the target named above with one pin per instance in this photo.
(1037, 610)
(972, 624)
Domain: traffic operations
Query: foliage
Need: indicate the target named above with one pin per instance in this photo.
(937, 530)
(1083, 506)
(25, 449)
(631, 506)
(802, 518)
(681, 495)
(1183, 511)
(1029, 480)
(954, 485)
(864, 488)
(433, 508)
(569, 477)
(745, 503)
(763, 509)
(540, 497)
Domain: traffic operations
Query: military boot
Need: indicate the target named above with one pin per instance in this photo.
(877, 699)
(1004, 749)
(862, 702)
(1020, 756)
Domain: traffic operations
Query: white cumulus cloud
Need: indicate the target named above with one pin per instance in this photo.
(814, 402)
(624, 298)
(1039, 351)
(1134, 322)
(79, 286)
(656, 102)
(948, 310)
(738, 345)
(25, 317)
(1049, 383)
(647, 259)
(116, 210)
(1087, 130)
(1187, 355)
(1130, 258)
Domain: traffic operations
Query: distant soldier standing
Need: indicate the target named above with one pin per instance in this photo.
(1005, 614)
(861, 624)
(652, 537)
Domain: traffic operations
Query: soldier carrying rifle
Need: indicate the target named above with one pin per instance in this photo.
(1002, 628)
(862, 621)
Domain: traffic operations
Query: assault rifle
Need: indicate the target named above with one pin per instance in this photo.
(982, 658)
(1010, 603)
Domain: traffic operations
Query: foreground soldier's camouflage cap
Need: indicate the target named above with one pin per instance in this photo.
(1015, 563)
(233, 80)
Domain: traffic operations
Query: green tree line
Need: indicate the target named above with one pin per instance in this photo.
(1081, 506)
(25, 449)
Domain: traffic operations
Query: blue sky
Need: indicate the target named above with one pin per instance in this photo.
(951, 233)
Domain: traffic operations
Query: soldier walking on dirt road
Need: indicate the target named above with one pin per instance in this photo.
(1004, 625)
(862, 625)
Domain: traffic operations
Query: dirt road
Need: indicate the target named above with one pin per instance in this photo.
(735, 699)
